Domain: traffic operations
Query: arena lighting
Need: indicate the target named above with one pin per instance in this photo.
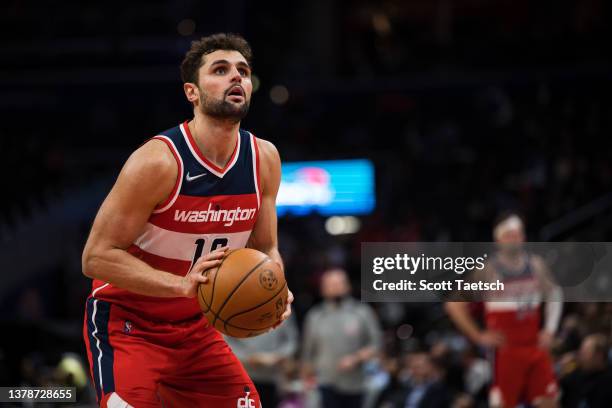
(279, 94)
(334, 187)
(337, 225)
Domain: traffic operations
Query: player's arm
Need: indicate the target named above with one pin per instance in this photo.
(459, 313)
(146, 180)
(553, 297)
(264, 236)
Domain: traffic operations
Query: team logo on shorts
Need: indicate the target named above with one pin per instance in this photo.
(267, 280)
(246, 402)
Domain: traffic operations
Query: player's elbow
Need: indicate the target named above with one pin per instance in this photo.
(90, 263)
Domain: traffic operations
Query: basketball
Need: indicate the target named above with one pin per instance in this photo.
(246, 294)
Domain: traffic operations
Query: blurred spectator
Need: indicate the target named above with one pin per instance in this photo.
(340, 334)
(291, 386)
(420, 384)
(589, 385)
(477, 374)
(263, 358)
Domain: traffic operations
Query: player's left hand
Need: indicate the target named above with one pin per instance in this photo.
(287, 312)
(546, 340)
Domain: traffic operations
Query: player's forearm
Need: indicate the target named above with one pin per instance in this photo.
(554, 309)
(275, 255)
(462, 319)
(123, 270)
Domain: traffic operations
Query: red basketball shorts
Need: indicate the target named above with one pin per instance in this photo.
(521, 374)
(138, 363)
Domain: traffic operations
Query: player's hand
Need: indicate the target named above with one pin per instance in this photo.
(490, 338)
(545, 340)
(287, 311)
(190, 282)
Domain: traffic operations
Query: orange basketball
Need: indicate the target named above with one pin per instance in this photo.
(246, 294)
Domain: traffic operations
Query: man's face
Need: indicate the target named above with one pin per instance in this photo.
(512, 236)
(587, 356)
(420, 368)
(511, 241)
(224, 86)
(334, 284)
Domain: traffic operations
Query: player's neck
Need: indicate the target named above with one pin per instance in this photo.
(215, 138)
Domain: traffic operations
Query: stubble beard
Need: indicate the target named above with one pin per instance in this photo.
(222, 109)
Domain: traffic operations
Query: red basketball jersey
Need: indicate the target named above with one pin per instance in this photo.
(517, 313)
(209, 207)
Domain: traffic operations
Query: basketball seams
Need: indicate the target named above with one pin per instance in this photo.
(201, 296)
(244, 278)
(259, 305)
(233, 325)
(212, 293)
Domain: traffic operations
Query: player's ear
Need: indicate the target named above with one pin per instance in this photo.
(191, 92)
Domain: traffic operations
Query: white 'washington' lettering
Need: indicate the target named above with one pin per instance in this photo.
(226, 216)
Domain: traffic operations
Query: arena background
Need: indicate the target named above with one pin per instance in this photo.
(466, 107)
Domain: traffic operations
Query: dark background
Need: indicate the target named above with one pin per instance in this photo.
(466, 107)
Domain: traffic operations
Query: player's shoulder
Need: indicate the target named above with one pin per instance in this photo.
(267, 150)
(538, 264)
(153, 157)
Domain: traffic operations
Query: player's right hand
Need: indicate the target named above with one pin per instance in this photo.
(490, 338)
(190, 282)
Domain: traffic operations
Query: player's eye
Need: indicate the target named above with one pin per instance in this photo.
(243, 72)
(220, 71)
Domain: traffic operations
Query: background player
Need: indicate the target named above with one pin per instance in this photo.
(522, 365)
(166, 220)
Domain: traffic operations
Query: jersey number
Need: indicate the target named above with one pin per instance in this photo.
(217, 243)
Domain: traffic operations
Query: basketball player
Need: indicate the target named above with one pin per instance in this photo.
(522, 369)
(180, 202)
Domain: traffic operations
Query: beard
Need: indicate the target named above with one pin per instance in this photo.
(223, 109)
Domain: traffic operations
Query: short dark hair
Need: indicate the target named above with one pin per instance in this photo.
(205, 45)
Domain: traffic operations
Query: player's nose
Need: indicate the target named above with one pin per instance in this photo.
(235, 75)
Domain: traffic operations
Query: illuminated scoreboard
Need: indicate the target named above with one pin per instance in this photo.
(335, 187)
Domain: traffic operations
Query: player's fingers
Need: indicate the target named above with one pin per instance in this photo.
(289, 297)
(221, 250)
(287, 313)
(201, 278)
(213, 256)
(216, 254)
(200, 267)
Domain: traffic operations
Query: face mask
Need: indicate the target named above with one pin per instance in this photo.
(337, 300)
